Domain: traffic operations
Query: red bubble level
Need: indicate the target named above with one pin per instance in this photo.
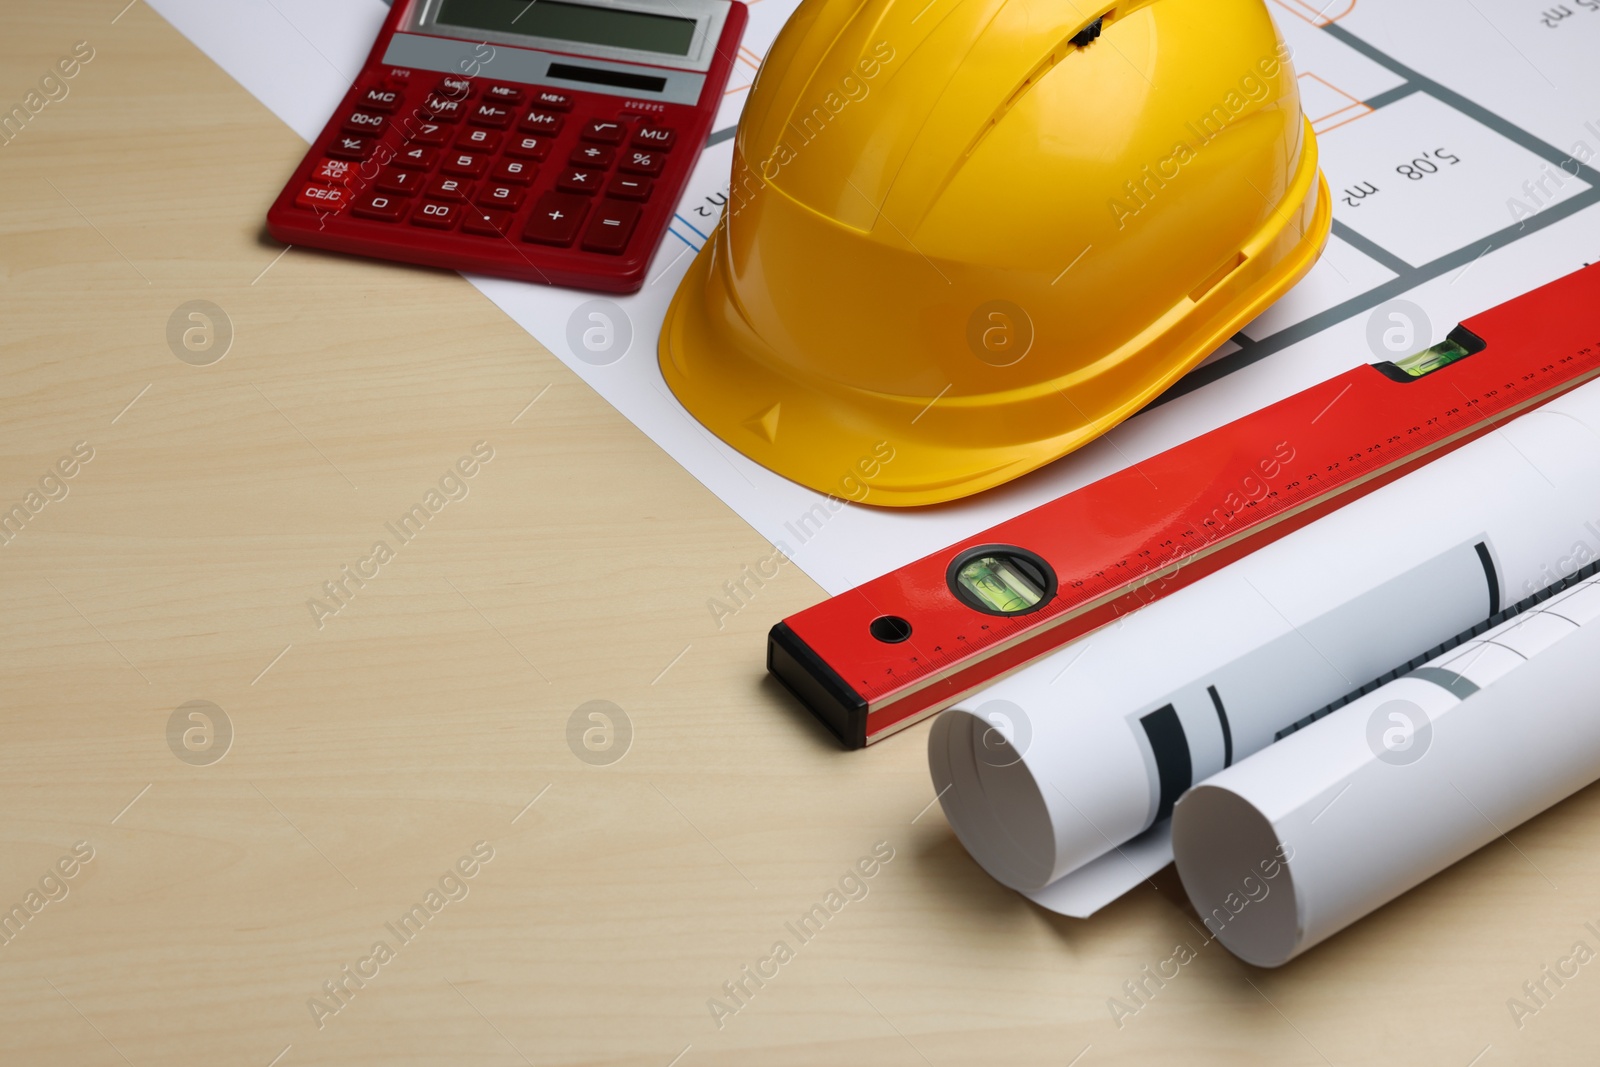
(896, 649)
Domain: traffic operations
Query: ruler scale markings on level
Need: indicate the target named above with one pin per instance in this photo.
(1115, 544)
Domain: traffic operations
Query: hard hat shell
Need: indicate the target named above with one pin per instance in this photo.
(965, 237)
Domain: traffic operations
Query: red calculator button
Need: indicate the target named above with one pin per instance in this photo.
(593, 155)
(603, 130)
(503, 196)
(468, 164)
(503, 94)
(555, 219)
(653, 137)
(528, 147)
(322, 198)
(396, 180)
(365, 123)
(417, 158)
(447, 188)
(611, 228)
(379, 99)
(514, 170)
(455, 87)
(437, 215)
(427, 133)
(480, 140)
(573, 180)
(487, 114)
(538, 121)
(383, 207)
(623, 187)
(642, 162)
(336, 171)
(349, 146)
(486, 222)
(443, 108)
(552, 100)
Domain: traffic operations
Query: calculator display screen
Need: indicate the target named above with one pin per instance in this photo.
(573, 22)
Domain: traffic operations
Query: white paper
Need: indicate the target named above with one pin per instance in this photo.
(297, 56)
(1052, 768)
(1297, 842)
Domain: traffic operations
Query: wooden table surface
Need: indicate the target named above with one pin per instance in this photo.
(409, 754)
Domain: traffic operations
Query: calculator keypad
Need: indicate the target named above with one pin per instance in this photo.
(564, 186)
(491, 172)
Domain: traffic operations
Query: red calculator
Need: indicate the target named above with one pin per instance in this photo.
(545, 140)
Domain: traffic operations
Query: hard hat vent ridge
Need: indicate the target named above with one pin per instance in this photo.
(1090, 32)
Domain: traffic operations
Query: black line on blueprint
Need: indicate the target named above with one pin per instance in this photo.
(1510, 132)
(1371, 249)
(1406, 277)
(1390, 96)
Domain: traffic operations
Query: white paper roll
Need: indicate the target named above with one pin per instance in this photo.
(1297, 842)
(1067, 760)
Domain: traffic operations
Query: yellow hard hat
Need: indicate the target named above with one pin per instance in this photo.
(965, 237)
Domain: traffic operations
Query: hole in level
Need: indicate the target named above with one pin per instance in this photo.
(890, 629)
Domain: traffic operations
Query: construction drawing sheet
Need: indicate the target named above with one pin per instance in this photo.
(1458, 141)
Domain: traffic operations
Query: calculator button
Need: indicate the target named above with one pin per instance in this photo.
(504, 196)
(443, 109)
(604, 131)
(322, 198)
(509, 95)
(528, 147)
(437, 215)
(486, 222)
(396, 180)
(383, 207)
(480, 140)
(417, 158)
(612, 226)
(454, 87)
(593, 155)
(555, 219)
(486, 114)
(537, 121)
(447, 188)
(428, 133)
(552, 100)
(469, 164)
(336, 171)
(348, 146)
(641, 162)
(653, 137)
(623, 187)
(514, 170)
(365, 123)
(573, 180)
(379, 99)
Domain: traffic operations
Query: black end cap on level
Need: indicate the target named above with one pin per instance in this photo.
(817, 686)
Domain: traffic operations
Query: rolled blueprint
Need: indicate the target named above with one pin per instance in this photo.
(1301, 840)
(1051, 777)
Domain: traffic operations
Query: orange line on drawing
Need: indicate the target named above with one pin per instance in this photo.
(1302, 9)
(1321, 123)
(1362, 113)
